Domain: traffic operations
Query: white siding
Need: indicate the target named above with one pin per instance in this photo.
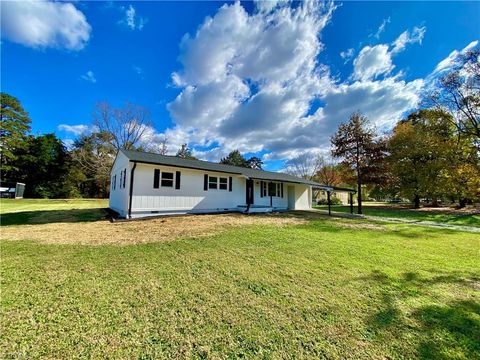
(118, 199)
(191, 197)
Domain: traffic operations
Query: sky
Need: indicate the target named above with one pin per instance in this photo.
(270, 78)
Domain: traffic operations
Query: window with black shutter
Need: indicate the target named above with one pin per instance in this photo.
(167, 179)
(156, 178)
(223, 183)
(177, 180)
(212, 182)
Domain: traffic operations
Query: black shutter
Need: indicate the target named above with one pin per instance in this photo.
(281, 189)
(205, 182)
(124, 177)
(156, 178)
(177, 180)
(261, 188)
(230, 183)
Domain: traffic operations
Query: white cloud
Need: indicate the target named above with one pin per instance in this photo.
(89, 76)
(375, 61)
(381, 28)
(43, 24)
(453, 57)
(132, 20)
(416, 36)
(253, 82)
(347, 55)
(372, 62)
(76, 129)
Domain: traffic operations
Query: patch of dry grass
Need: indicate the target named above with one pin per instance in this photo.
(140, 231)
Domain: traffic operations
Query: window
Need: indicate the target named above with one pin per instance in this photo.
(263, 189)
(272, 189)
(212, 182)
(167, 179)
(223, 185)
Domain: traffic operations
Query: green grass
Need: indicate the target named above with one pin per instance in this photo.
(318, 290)
(38, 211)
(410, 214)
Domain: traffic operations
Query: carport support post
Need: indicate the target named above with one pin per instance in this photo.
(329, 203)
(351, 202)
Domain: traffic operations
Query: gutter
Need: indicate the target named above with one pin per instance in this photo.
(132, 174)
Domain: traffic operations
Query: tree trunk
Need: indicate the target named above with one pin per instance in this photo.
(462, 203)
(416, 202)
(359, 189)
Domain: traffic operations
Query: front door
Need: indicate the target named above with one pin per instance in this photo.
(249, 193)
(291, 197)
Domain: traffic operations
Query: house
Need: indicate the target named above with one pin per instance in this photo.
(146, 184)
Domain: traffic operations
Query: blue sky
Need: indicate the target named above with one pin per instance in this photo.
(266, 78)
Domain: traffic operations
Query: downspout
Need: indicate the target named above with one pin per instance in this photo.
(132, 173)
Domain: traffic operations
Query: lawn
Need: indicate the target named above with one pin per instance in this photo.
(269, 286)
(399, 212)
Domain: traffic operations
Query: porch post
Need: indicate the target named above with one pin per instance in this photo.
(329, 203)
(351, 202)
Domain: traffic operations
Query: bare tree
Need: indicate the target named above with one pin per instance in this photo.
(305, 165)
(128, 126)
(163, 146)
(459, 93)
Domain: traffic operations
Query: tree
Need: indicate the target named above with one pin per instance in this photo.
(129, 126)
(356, 145)
(93, 155)
(426, 156)
(305, 165)
(459, 93)
(185, 153)
(14, 126)
(234, 159)
(44, 165)
(329, 174)
(254, 163)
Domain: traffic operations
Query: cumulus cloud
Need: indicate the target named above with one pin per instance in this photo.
(375, 61)
(89, 76)
(132, 20)
(43, 24)
(253, 82)
(76, 129)
(372, 62)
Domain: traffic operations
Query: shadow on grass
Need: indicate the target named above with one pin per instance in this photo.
(450, 330)
(52, 216)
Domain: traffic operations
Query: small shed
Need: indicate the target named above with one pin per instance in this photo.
(12, 190)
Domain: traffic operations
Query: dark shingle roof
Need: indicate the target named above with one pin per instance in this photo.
(150, 158)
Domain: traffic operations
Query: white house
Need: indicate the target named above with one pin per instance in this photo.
(146, 184)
